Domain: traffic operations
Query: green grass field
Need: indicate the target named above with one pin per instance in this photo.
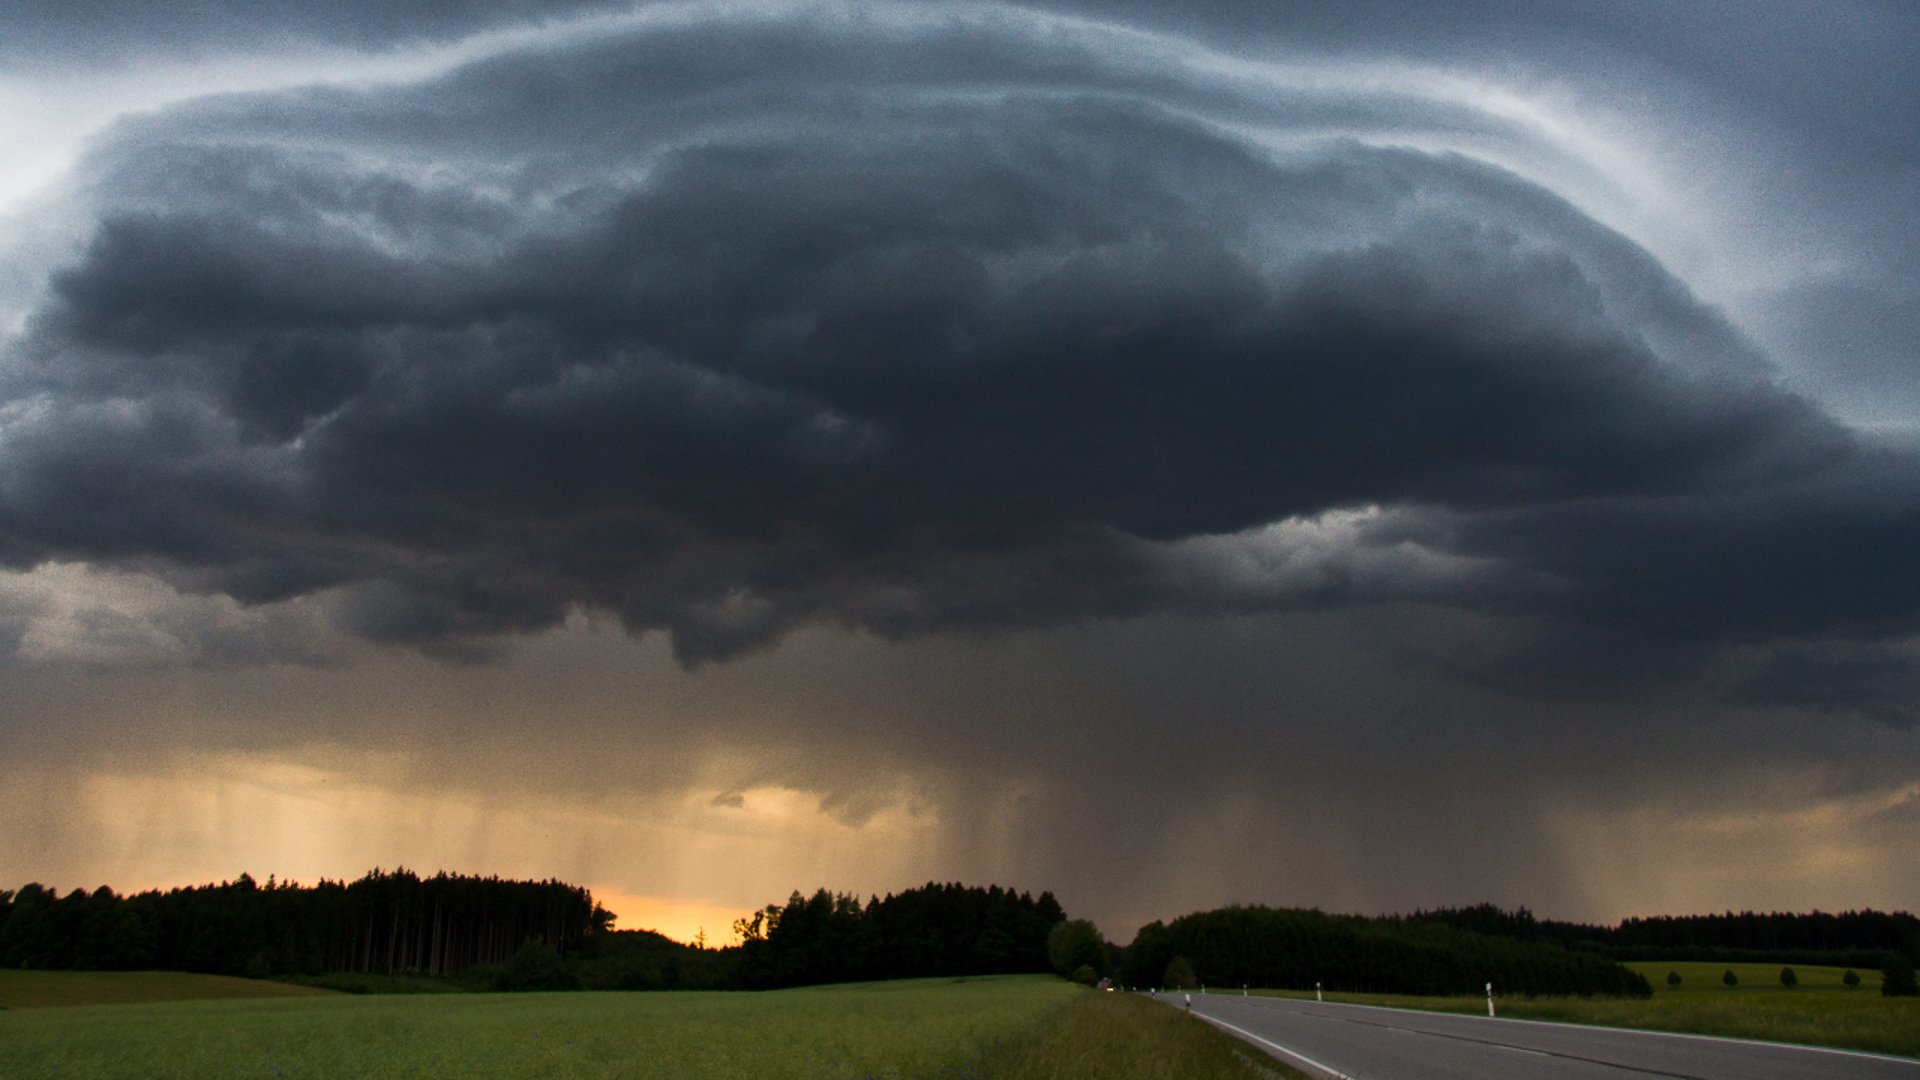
(40, 989)
(1818, 1012)
(1017, 1028)
(1699, 977)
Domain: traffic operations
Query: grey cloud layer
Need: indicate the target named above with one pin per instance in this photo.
(914, 326)
(50, 33)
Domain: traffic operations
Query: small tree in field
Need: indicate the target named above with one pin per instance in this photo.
(1851, 979)
(1788, 978)
(1729, 979)
(1673, 978)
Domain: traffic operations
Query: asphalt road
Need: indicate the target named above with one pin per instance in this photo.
(1364, 1043)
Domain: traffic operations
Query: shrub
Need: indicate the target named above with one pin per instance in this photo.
(1180, 975)
(1076, 943)
(1673, 978)
(1851, 979)
(1085, 975)
(1729, 979)
(1898, 980)
(1788, 978)
(535, 967)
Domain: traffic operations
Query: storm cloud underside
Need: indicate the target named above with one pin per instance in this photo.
(967, 330)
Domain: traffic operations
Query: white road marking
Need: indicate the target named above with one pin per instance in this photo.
(1294, 1054)
(1834, 1050)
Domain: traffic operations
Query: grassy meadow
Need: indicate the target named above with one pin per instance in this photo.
(26, 989)
(1820, 1011)
(1702, 977)
(1015, 1027)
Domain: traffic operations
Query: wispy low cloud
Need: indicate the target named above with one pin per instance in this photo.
(72, 614)
(921, 323)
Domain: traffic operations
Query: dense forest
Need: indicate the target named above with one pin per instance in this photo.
(1820, 937)
(492, 933)
(387, 923)
(1845, 939)
(829, 937)
(1459, 950)
(933, 930)
(1263, 946)
(518, 935)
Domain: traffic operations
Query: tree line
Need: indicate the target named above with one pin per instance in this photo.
(1302, 949)
(519, 935)
(1863, 938)
(934, 930)
(489, 932)
(390, 923)
(1773, 934)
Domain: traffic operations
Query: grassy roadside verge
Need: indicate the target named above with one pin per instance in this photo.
(1128, 1037)
(1851, 1020)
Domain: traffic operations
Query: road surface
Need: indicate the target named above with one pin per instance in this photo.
(1366, 1043)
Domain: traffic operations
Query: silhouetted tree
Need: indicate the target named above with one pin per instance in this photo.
(1076, 943)
(23, 936)
(934, 930)
(1179, 975)
(1897, 979)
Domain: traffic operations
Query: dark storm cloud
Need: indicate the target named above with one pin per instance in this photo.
(729, 329)
(1805, 107)
(1882, 681)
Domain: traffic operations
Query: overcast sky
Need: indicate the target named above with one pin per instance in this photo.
(1359, 455)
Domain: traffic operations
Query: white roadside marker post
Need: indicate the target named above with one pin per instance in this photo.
(1490, 999)
(1317, 995)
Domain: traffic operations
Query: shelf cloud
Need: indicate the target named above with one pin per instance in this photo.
(935, 324)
